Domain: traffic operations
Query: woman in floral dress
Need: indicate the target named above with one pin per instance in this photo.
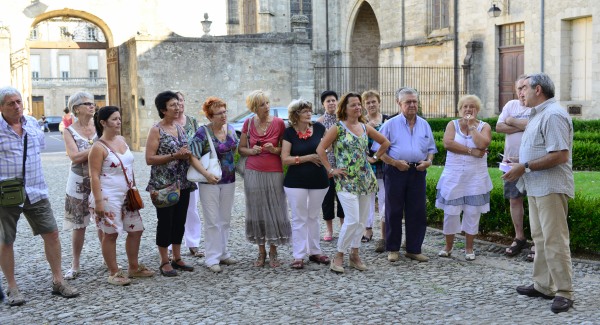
(355, 180)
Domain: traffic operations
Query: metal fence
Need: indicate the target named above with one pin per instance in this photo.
(434, 84)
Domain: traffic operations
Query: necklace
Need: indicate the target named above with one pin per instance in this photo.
(304, 135)
(264, 129)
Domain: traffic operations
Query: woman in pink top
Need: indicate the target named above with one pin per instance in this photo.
(267, 222)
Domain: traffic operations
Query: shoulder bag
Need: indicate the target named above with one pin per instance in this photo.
(240, 167)
(209, 161)
(133, 199)
(12, 190)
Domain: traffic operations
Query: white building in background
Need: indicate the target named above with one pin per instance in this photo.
(58, 73)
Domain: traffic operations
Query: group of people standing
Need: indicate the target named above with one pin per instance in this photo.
(347, 156)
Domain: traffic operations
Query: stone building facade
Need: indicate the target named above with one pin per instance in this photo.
(555, 37)
(444, 48)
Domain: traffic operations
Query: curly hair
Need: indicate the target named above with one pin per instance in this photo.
(295, 107)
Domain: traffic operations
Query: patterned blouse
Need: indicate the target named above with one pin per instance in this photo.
(351, 153)
(225, 150)
(329, 120)
(164, 175)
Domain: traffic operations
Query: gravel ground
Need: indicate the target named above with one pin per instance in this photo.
(442, 291)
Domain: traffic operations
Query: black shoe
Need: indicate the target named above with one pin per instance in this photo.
(561, 304)
(183, 267)
(530, 291)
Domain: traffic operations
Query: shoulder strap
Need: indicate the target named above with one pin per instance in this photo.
(24, 156)
(122, 168)
(210, 142)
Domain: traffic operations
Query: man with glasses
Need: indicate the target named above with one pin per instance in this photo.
(545, 171)
(410, 154)
(16, 130)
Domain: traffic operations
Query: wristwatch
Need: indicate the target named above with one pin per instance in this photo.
(527, 169)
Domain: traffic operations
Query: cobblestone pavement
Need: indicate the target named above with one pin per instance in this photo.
(442, 291)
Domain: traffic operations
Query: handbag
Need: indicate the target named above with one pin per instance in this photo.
(133, 199)
(209, 161)
(12, 190)
(166, 196)
(240, 167)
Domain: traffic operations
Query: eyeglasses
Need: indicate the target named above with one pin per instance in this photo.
(86, 104)
(221, 113)
(304, 111)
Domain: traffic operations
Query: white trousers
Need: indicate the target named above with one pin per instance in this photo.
(193, 223)
(469, 224)
(356, 210)
(381, 199)
(217, 202)
(306, 210)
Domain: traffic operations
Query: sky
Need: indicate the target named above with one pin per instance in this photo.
(187, 22)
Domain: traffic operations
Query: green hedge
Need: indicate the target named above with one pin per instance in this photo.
(586, 144)
(584, 217)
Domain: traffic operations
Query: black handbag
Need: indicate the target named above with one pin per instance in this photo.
(12, 190)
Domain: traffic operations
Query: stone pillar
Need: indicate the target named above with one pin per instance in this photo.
(473, 76)
(5, 74)
(299, 24)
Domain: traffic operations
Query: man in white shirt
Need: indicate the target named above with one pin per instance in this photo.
(512, 121)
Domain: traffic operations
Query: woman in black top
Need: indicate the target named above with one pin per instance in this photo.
(305, 183)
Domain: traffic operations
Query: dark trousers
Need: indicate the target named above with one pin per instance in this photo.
(171, 221)
(328, 205)
(405, 197)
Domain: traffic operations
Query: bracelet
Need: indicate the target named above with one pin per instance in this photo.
(330, 171)
(297, 160)
(470, 151)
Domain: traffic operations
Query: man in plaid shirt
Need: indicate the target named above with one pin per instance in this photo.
(36, 209)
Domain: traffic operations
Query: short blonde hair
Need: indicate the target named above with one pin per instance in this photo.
(295, 107)
(255, 99)
(472, 98)
(370, 93)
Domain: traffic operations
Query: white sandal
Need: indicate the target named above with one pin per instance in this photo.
(119, 279)
(470, 256)
(444, 253)
(71, 274)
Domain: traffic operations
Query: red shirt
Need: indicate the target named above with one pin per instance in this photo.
(67, 120)
(265, 161)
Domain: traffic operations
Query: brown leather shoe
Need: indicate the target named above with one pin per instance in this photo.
(530, 291)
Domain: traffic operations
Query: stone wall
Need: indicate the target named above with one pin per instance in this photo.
(229, 67)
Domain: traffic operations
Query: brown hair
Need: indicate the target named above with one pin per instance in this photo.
(295, 107)
(212, 103)
(341, 109)
(370, 93)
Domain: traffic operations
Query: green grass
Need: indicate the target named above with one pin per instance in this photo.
(586, 183)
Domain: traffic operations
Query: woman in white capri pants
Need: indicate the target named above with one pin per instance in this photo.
(305, 182)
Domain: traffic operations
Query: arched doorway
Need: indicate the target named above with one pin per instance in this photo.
(364, 50)
(69, 51)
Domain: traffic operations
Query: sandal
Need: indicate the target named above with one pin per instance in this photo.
(445, 253)
(194, 251)
(119, 279)
(167, 273)
(260, 261)
(531, 255)
(297, 264)
(516, 247)
(319, 259)
(328, 236)
(273, 261)
(71, 274)
(141, 272)
(470, 256)
(365, 238)
(184, 267)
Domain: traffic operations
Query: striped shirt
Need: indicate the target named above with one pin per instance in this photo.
(11, 157)
(550, 129)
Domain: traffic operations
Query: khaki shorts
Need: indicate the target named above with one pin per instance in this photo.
(39, 215)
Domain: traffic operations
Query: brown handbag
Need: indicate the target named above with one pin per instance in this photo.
(133, 199)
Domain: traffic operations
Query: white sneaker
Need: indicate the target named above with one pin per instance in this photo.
(215, 268)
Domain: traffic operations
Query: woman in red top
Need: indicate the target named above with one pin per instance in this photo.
(267, 222)
(67, 119)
